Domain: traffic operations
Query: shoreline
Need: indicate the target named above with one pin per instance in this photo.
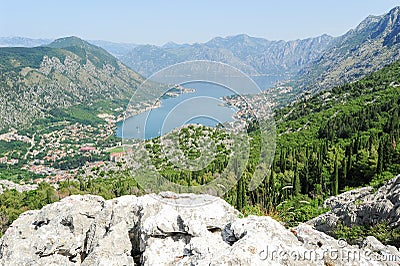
(137, 110)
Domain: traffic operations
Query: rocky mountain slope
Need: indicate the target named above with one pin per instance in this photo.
(67, 72)
(362, 207)
(170, 229)
(251, 55)
(363, 50)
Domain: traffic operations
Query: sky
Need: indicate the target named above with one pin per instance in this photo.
(184, 21)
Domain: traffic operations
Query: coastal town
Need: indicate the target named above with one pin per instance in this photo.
(65, 151)
(248, 108)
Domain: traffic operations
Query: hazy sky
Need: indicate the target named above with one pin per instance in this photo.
(183, 21)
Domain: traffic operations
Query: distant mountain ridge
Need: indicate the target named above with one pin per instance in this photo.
(252, 55)
(22, 42)
(114, 48)
(67, 72)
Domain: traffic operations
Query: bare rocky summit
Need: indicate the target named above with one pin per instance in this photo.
(168, 229)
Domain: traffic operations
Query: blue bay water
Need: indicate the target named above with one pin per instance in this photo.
(204, 106)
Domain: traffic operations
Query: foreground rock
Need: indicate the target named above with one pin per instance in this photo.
(362, 207)
(163, 230)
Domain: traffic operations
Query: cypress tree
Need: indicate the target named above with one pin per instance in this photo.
(296, 182)
(335, 181)
(349, 162)
(239, 195)
(344, 168)
(379, 166)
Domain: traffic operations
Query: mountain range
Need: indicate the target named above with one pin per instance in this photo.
(310, 64)
(254, 56)
(45, 74)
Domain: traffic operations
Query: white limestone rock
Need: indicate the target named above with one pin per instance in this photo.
(164, 229)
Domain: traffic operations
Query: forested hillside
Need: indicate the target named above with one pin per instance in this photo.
(343, 138)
